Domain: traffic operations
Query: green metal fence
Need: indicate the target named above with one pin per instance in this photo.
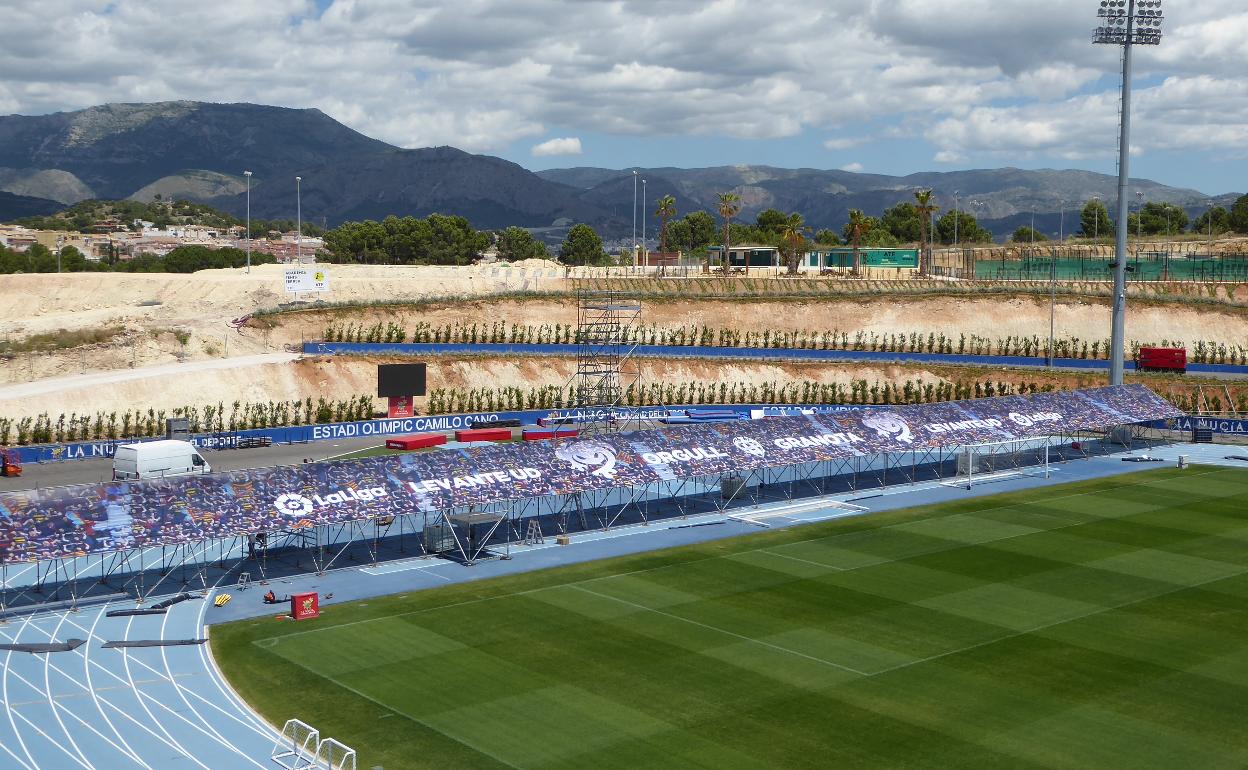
(1143, 266)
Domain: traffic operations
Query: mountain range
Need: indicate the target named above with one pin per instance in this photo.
(198, 151)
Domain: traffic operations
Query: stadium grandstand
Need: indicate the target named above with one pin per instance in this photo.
(64, 545)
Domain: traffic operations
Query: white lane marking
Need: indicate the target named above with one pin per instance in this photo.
(129, 679)
(4, 695)
(101, 613)
(120, 711)
(47, 690)
(47, 737)
(163, 678)
(182, 694)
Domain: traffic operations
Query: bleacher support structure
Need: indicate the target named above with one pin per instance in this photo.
(485, 529)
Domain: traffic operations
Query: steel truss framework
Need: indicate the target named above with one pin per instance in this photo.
(471, 533)
(606, 369)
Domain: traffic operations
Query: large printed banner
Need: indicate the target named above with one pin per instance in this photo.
(71, 521)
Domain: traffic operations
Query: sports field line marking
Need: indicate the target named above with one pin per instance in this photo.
(719, 630)
(391, 711)
(689, 562)
(805, 561)
(1054, 624)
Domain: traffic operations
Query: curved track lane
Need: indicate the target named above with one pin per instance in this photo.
(150, 707)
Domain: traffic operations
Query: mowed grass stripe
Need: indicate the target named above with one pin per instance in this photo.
(670, 558)
(938, 644)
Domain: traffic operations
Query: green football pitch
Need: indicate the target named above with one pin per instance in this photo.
(1099, 624)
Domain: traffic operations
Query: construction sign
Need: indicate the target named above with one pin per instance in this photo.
(301, 280)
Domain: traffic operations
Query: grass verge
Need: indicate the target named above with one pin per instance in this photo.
(61, 339)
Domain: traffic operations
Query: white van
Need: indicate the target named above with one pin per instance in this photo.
(157, 459)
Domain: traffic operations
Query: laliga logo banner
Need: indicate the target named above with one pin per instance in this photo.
(888, 426)
(298, 506)
(584, 455)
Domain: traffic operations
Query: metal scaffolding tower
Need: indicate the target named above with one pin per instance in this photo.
(608, 375)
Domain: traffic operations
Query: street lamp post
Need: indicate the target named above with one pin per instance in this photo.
(955, 219)
(643, 215)
(1096, 219)
(634, 217)
(298, 220)
(247, 174)
(1209, 218)
(1052, 304)
(1124, 23)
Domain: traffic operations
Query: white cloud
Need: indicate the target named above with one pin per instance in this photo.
(854, 167)
(845, 142)
(568, 145)
(975, 78)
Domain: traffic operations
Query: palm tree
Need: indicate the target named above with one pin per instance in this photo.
(925, 209)
(859, 225)
(793, 236)
(729, 206)
(665, 211)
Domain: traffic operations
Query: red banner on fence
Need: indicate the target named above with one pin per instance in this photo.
(401, 406)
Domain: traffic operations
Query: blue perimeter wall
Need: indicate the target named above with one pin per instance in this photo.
(45, 453)
(297, 434)
(698, 351)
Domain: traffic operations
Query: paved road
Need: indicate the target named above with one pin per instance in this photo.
(58, 384)
(98, 470)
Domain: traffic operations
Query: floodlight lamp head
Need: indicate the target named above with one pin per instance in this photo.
(1126, 25)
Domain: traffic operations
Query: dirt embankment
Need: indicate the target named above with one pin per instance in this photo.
(952, 316)
(165, 319)
(163, 339)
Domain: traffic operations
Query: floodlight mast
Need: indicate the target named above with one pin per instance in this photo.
(1124, 23)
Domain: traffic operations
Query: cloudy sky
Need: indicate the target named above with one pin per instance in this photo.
(888, 86)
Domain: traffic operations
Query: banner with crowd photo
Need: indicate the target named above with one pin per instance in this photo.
(80, 520)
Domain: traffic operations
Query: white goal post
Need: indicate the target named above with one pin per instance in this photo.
(994, 460)
(301, 747)
(297, 746)
(332, 755)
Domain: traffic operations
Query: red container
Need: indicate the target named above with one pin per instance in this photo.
(304, 606)
(420, 441)
(1162, 359)
(546, 435)
(484, 434)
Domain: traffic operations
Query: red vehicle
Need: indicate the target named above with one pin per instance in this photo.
(1162, 360)
(10, 463)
